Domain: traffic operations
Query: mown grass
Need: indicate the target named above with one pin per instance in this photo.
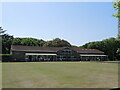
(60, 75)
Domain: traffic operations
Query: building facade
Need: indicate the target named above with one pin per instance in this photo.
(37, 54)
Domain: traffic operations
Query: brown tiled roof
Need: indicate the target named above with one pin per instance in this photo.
(33, 48)
(37, 48)
(84, 50)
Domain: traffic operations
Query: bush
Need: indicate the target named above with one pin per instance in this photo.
(5, 54)
(5, 57)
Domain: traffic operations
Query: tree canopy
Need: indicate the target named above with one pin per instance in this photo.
(28, 42)
(57, 42)
(109, 46)
(2, 31)
(36, 42)
(116, 6)
(6, 41)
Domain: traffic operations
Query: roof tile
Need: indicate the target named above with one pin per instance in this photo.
(37, 48)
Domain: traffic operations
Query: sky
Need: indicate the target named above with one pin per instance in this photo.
(76, 22)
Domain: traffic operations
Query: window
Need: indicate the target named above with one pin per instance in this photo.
(66, 51)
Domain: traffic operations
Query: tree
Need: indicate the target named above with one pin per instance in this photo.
(57, 43)
(48, 44)
(109, 46)
(117, 7)
(2, 31)
(6, 43)
(17, 41)
(28, 42)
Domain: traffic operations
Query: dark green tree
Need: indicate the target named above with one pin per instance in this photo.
(2, 31)
(57, 43)
(28, 42)
(6, 43)
(48, 44)
(116, 6)
(17, 41)
(109, 46)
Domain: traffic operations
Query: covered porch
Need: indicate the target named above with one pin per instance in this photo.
(93, 57)
(31, 57)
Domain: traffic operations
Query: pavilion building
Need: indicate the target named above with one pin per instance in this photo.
(35, 53)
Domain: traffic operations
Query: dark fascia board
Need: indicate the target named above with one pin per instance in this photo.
(92, 52)
(34, 50)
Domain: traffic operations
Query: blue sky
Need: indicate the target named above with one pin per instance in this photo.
(76, 22)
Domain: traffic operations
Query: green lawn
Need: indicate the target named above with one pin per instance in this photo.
(60, 75)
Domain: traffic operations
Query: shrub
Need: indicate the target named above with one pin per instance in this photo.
(5, 57)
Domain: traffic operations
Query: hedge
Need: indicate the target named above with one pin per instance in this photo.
(5, 57)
